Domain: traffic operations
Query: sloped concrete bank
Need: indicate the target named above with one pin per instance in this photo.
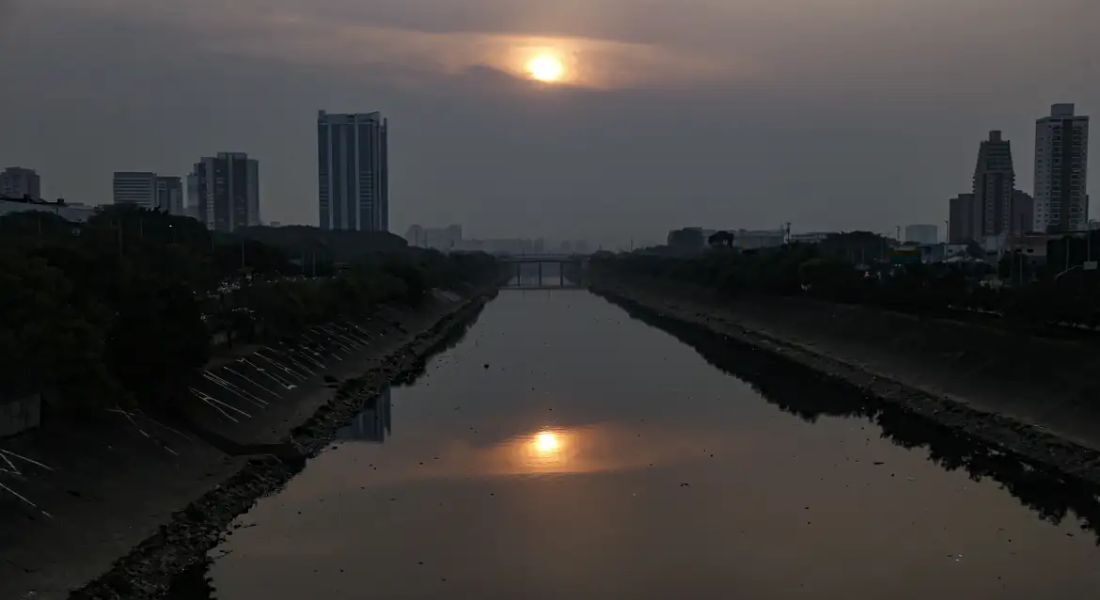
(1028, 440)
(162, 511)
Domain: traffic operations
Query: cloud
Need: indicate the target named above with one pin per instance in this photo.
(327, 39)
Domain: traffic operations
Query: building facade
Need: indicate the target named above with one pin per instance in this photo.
(443, 239)
(961, 223)
(747, 239)
(994, 184)
(922, 234)
(17, 182)
(1061, 170)
(353, 171)
(169, 195)
(136, 188)
(225, 191)
(1023, 213)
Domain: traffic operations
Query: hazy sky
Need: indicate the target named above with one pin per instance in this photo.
(831, 114)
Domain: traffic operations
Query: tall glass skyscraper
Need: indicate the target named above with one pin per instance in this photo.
(352, 169)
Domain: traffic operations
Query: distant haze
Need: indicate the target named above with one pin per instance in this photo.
(831, 114)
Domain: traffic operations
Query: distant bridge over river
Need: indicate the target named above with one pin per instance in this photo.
(532, 271)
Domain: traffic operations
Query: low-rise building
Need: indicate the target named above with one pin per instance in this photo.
(1032, 245)
(17, 182)
(746, 239)
(813, 237)
(443, 239)
(922, 234)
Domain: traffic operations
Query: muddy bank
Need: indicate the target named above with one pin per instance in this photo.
(117, 490)
(811, 395)
(1020, 435)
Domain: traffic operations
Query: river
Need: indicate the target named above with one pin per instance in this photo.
(565, 449)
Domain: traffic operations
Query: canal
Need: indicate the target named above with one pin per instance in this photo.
(567, 449)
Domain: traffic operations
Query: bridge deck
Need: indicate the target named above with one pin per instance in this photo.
(537, 288)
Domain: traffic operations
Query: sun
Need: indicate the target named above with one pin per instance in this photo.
(546, 68)
(546, 442)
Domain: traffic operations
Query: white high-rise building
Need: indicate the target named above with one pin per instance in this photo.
(1061, 168)
(352, 170)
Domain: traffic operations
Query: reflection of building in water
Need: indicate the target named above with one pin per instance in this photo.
(372, 424)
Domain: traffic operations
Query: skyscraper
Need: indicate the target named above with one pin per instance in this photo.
(994, 183)
(225, 190)
(1061, 169)
(17, 182)
(138, 188)
(169, 195)
(961, 224)
(353, 171)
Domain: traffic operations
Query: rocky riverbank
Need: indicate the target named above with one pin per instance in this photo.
(1022, 425)
(160, 493)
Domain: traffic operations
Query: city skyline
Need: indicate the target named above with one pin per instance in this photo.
(994, 208)
(754, 130)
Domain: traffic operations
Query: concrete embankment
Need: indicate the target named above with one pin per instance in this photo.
(116, 509)
(1032, 397)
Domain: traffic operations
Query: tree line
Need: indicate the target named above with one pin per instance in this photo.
(123, 309)
(856, 268)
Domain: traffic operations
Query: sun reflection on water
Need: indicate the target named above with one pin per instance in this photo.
(547, 449)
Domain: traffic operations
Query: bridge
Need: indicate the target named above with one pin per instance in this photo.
(575, 263)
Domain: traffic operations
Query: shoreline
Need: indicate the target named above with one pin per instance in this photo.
(165, 531)
(1033, 444)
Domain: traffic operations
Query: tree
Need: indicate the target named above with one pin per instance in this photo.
(49, 342)
(686, 239)
(157, 339)
(721, 239)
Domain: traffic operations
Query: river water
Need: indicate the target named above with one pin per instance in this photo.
(564, 449)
